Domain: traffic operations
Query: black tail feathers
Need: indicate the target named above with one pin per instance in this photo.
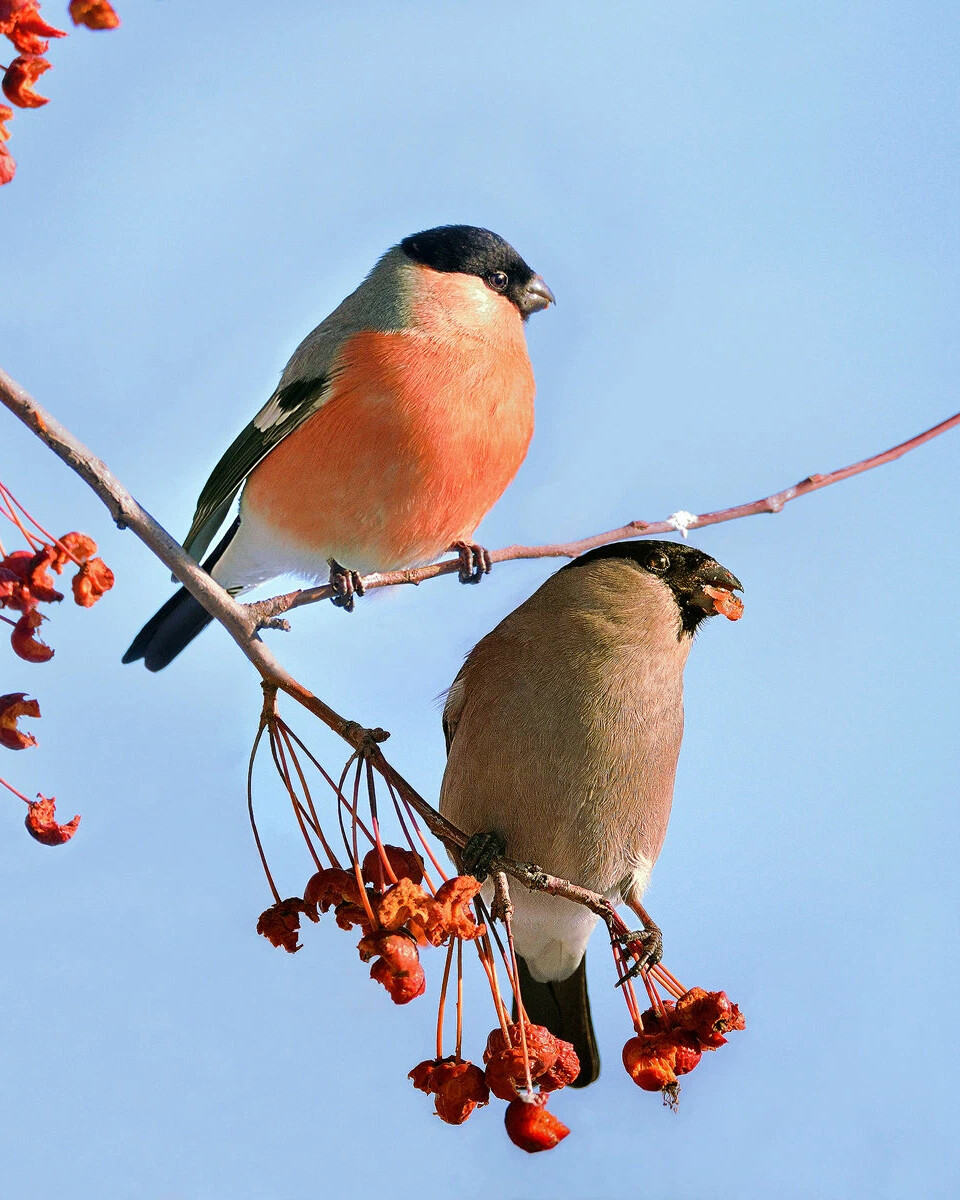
(177, 623)
(564, 1007)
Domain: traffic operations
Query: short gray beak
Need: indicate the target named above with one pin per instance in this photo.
(536, 295)
(717, 576)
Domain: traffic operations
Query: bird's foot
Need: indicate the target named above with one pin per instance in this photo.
(475, 561)
(647, 943)
(346, 584)
(480, 851)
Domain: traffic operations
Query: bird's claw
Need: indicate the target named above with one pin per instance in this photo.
(475, 561)
(346, 584)
(479, 852)
(650, 942)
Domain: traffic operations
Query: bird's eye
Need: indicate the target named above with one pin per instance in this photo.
(498, 280)
(658, 562)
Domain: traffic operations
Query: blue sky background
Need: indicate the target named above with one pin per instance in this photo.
(748, 213)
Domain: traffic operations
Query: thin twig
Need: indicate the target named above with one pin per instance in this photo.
(264, 610)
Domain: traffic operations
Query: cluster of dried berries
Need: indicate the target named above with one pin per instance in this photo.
(517, 1059)
(673, 1037)
(671, 1034)
(20, 21)
(25, 584)
(41, 820)
(394, 918)
(385, 892)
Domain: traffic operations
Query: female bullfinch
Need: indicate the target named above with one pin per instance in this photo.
(396, 426)
(563, 730)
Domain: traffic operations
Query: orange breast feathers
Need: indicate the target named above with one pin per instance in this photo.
(420, 437)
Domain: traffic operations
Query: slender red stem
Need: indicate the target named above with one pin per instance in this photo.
(485, 954)
(459, 998)
(667, 981)
(358, 874)
(384, 864)
(8, 511)
(291, 739)
(33, 521)
(11, 788)
(279, 751)
(253, 820)
(443, 1001)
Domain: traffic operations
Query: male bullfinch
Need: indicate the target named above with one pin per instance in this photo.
(563, 730)
(397, 424)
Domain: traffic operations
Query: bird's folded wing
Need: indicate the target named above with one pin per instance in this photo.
(453, 706)
(287, 408)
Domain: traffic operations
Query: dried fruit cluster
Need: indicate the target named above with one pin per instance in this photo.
(673, 1037)
(22, 24)
(386, 893)
(25, 584)
(523, 1064)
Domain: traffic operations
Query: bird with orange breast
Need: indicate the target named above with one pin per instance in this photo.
(397, 424)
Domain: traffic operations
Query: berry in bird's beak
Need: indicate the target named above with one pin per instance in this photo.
(725, 602)
(712, 591)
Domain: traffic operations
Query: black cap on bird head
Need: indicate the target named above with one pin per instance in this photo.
(469, 250)
(700, 585)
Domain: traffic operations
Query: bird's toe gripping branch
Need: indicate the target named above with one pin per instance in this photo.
(480, 851)
(346, 584)
(647, 944)
(475, 561)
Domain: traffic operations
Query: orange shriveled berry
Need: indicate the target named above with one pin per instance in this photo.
(330, 887)
(34, 583)
(397, 967)
(39, 579)
(553, 1062)
(506, 1073)
(91, 581)
(531, 1127)
(649, 1059)
(19, 78)
(95, 14)
(72, 547)
(12, 706)
(29, 31)
(405, 905)
(280, 923)
(459, 1087)
(405, 864)
(454, 898)
(25, 644)
(708, 1015)
(565, 1070)
(41, 822)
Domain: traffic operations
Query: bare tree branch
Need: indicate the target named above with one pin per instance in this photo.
(242, 621)
(242, 625)
(264, 610)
